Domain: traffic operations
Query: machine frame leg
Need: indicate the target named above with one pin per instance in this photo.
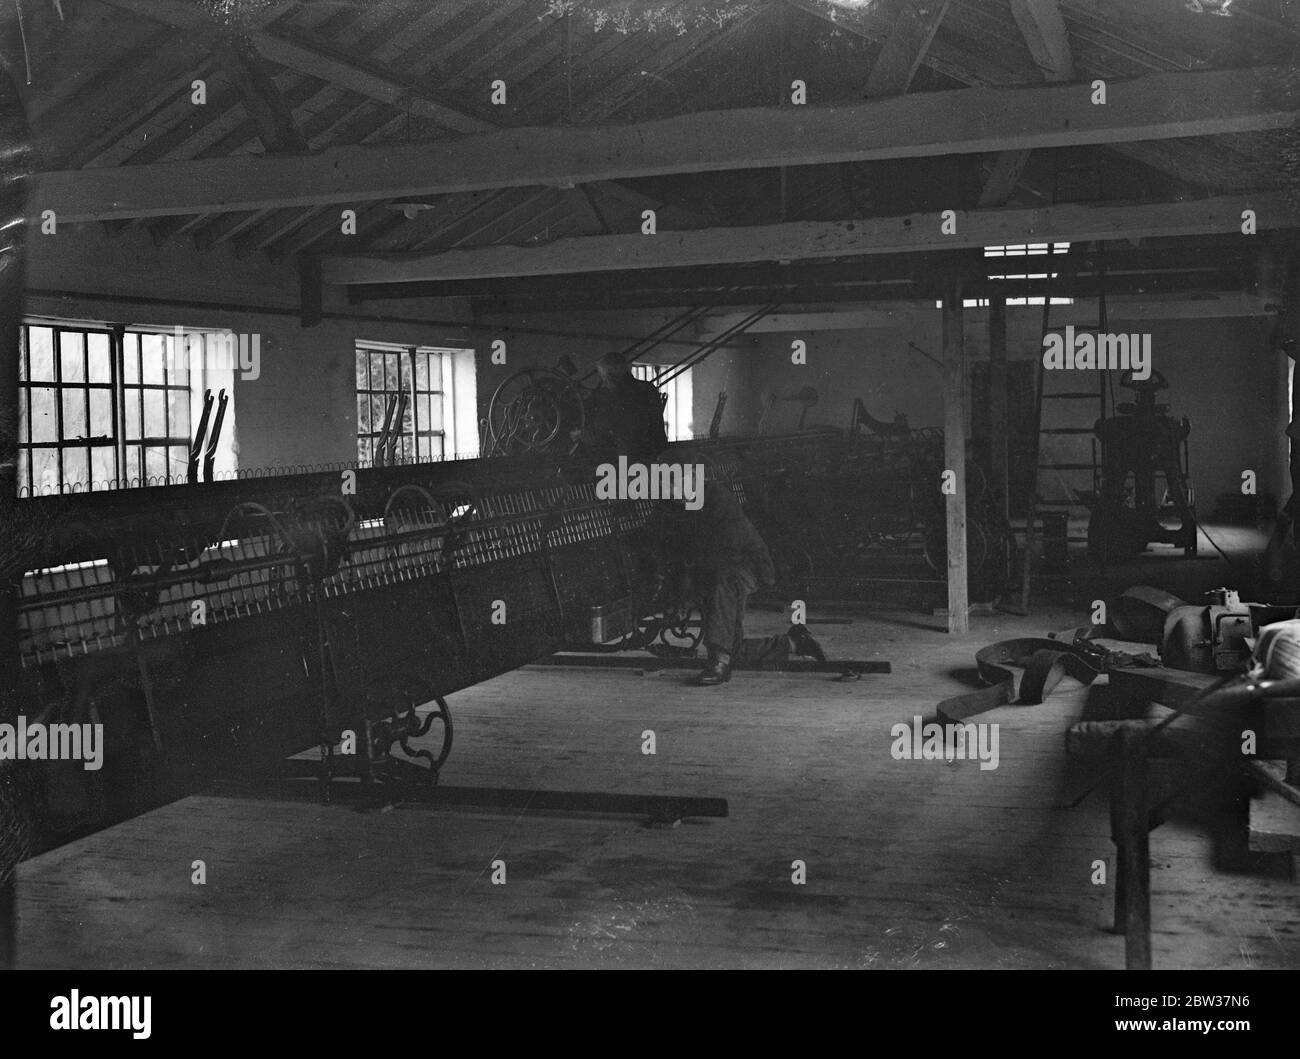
(1130, 829)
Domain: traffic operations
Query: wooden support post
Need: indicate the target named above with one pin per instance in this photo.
(1131, 831)
(15, 163)
(999, 465)
(954, 441)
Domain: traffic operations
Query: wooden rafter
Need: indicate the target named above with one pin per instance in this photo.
(809, 240)
(1045, 35)
(262, 99)
(913, 28)
(962, 121)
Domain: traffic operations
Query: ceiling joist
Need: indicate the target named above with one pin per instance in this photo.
(811, 240)
(973, 120)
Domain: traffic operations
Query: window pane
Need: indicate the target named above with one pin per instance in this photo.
(179, 358)
(132, 471)
(40, 346)
(132, 415)
(421, 371)
(74, 414)
(376, 371)
(435, 371)
(131, 358)
(76, 470)
(102, 471)
(178, 459)
(363, 370)
(44, 423)
(72, 352)
(392, 377)
(363, 449)
(178, 413)
(45, 471)
(431, 413)
(155, 415)
(376, 414)
(363, 415)
(22, 419)
(100, 358)
(155, 461)
(101, 413)
(151, 349)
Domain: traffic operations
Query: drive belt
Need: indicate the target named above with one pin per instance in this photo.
(1045, 663)
(1137, 615)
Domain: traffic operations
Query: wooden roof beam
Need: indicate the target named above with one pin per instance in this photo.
(1048, 41)
(1044, 31)
(962, 121)
(262, 99)
(342, 71)
(810, 240)
(909, 39)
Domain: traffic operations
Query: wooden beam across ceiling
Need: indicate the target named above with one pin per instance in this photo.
(913, 29)
(1045, 34)
(986, 68)
(339, 70)
(261, 98)
(1048, 41)
(852, 318)
(811, 240)
(971, 120)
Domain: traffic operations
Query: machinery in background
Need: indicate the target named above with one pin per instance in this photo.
(1145, 482)
(222, 628)
(228, 626)
(536, 410)
(846, 514)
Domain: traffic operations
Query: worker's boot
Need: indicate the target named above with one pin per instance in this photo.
(802, 643)
(718, 671)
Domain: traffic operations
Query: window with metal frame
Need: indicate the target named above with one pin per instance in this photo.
(383, 373)
(100, 407)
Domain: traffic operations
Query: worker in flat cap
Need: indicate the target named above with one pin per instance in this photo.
(626, 414)
(714, 555)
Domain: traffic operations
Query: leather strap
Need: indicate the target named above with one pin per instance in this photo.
(1045, 663)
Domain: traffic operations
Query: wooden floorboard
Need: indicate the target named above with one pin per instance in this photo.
(909, 864)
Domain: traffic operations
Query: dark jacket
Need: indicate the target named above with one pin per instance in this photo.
(628, 419)
(716, 538)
